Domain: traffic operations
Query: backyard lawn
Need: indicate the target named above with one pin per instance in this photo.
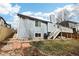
(58, 47)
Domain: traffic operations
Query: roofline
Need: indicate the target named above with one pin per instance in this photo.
(70, 22)
(73, 22)
(31, 18)
(3, 19)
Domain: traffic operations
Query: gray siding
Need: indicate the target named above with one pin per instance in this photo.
(51, 27)
(26, 28)
(22, 31)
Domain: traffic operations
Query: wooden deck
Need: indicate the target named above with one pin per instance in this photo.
(69, 35)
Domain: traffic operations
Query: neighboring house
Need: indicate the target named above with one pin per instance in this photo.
(3, 23)
(31, 27)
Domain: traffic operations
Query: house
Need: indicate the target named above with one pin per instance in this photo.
(3, 23)
(65, 26)
(31, 27)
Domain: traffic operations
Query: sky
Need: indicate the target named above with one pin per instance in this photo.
(32, 7)
(9, 10)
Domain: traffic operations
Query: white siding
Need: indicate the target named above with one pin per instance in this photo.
(26, 28)
(51, 27)
(22, 29)
(42, 29)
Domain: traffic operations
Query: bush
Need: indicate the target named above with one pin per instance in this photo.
(5, 33)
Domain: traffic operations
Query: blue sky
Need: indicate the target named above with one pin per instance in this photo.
(34, 7)
(9, 10)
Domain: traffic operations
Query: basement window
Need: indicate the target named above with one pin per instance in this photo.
(37, 34)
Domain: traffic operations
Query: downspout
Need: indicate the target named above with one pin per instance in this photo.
(47, 27)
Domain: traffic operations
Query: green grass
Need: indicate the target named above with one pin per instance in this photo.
(58, 47)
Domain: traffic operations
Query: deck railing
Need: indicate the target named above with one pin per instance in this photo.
(65, 29)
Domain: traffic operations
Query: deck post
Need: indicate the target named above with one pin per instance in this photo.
(61, 35)
(61, 32)
(67, 35)
(71, 35)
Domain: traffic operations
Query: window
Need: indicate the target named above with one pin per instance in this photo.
(37, 23)
(37, 34)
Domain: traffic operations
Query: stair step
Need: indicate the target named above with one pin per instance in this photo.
(54, 34)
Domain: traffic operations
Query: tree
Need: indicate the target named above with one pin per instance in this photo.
(62, 15)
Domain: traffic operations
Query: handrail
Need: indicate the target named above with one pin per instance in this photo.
(54, 32)
(65, 29)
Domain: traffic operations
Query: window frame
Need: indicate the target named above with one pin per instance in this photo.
(37, 34)
(37, 23)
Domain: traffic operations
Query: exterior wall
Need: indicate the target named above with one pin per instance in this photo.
(22, 31)
(51, 27)
(53, 18)
(26, 28)
(42, 29)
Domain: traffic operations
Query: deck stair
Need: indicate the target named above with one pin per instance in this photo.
(54, 34)
(59, 29)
